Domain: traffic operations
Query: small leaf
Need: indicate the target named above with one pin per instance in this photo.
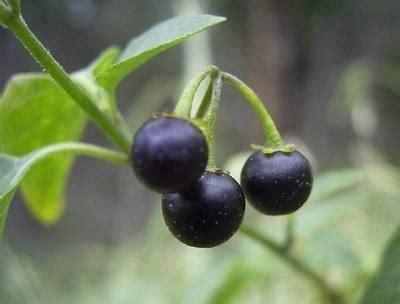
(106, 59)
(86, 79)
(14, 169)
(384, 288)
(152, 42)
(97, 94)
(34, 112)
(7, 190)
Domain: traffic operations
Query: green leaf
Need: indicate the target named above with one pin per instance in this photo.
(384, 288)
(103, 100)
(86, 78)
(14, 169)
(152, 42)
(34, 112)
(105, 60)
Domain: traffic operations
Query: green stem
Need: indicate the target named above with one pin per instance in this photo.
(184, 105)
(331, 295)
(205, 102)
(289, 232)
(83, 149)
(272, 137)
(21, 30)
(210, 118)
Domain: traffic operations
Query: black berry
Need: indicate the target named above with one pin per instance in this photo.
(207, 214)
(169, 154)
(277, 184)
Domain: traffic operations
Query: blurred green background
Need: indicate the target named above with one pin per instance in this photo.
(329, 73)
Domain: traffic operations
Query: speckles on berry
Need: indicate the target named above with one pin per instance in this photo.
(278, 183)
(169, 154)
(206, 214)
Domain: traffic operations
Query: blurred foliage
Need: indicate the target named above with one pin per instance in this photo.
(384, 288)
(340, 233)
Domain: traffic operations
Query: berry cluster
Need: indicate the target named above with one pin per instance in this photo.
(201, 205)
(204, 208)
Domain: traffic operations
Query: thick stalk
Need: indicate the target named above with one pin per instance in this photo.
(272, 137)
(205, 102)
(21, 30)
(210, 118)
(330, 295)
(184, 105)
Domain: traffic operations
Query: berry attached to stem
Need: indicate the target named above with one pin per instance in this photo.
(276, 179)
(184, 105)
(272, 137)
(169, 154)
(277, 183)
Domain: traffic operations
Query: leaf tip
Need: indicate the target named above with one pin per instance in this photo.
(46, 214)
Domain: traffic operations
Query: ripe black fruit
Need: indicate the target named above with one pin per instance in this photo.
(169, 154)
(207, 214)
(277, 184)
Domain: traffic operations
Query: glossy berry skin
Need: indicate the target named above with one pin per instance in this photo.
(169, 154)
(277, 184)
(207, 214)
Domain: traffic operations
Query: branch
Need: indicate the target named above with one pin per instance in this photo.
(331, 295)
